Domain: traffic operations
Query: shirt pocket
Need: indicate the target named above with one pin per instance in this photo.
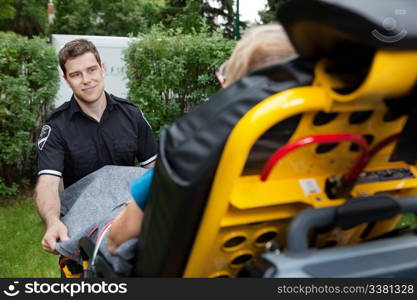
(84, 158)
(125, 152)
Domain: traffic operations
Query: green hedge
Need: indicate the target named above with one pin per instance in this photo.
(28, 84)
(170, 72)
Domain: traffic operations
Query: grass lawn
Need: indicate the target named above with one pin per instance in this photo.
(21, 230)
(408, 220)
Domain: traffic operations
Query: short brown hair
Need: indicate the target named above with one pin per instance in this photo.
(76, 48)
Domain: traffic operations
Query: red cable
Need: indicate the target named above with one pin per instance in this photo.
(103, 229)
(355, 171)
(314, 139)
(385, 142)
(92, 231)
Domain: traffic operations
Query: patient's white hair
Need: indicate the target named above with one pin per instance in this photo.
(260, 46)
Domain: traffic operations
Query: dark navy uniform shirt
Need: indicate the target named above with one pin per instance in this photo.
(72, 144)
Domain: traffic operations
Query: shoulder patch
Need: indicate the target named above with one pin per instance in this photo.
(43, 137)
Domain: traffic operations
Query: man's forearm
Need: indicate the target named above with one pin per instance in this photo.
(48, 203)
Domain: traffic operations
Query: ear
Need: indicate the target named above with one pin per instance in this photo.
(103, 67)
(66, 80)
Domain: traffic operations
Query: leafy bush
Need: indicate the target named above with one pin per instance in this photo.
(171, 72)
(28, 84)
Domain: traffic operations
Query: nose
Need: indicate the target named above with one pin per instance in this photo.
(86, 78)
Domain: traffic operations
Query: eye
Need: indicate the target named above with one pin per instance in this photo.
(73, 75)
(92, 69)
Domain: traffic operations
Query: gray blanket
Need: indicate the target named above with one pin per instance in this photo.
(89, 204)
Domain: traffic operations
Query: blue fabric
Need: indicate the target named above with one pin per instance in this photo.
(140, 188)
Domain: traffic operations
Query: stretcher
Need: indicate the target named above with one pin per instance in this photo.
(319, 131)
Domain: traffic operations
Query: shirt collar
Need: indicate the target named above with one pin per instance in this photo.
(111, 103)
(75, 107)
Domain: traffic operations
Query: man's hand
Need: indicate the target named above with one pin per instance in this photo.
(55, 232)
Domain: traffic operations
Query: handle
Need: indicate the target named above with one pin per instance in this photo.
(353, 212)
(316, 139)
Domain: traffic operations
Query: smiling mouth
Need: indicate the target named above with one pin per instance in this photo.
(89, 89)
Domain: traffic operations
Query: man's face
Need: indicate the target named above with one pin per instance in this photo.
(85, 76)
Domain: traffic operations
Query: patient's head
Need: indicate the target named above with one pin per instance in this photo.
(260, 46)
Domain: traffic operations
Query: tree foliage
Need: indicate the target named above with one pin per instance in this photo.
(7, 10)
(28, 84)
(221, 13)
(105, 17)
(269, 14)
(25, 17)
(188, 14)
(170, 72)
(182, 14)
(124, 17)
